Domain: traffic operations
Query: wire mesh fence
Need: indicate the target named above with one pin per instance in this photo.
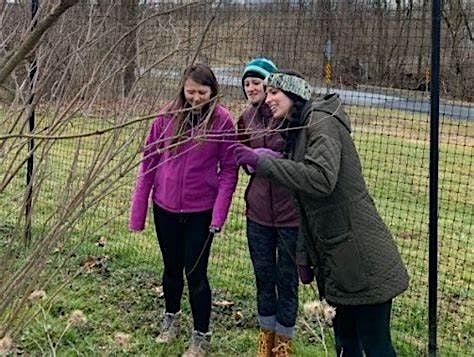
(106, 68)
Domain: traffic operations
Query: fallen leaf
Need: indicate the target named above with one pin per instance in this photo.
(6, 344)
(122, 339)
(37, 295)
(159, 291)
(101, 242)
(238, 316)
(224, 303)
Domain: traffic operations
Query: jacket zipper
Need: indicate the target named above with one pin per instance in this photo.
(180, 186)
(270, 193)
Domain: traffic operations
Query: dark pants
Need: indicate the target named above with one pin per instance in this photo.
(185, 244)
(272, 251)
(363, 328)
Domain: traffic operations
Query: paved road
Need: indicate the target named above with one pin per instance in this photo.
(231, 77)
(420, 105)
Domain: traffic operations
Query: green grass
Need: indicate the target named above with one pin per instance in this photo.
(120, 294)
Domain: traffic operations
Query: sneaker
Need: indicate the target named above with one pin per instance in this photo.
(169, 328)
(199, 346)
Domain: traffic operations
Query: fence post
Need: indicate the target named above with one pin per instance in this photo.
(327, 66)
(434, 166)
(31, 142)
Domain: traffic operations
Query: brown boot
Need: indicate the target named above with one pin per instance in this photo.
(266, 339)
(282, 346)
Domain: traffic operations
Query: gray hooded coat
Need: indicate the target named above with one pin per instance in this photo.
(355, 257)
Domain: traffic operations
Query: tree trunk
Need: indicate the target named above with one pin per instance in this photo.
(129, 19)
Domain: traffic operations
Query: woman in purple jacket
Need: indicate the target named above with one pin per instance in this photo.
(272, 221)
(191, 177)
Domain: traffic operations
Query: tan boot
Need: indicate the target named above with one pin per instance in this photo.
(282, 346)
(266, 338)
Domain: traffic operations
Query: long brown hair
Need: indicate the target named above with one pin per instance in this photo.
(203, 75)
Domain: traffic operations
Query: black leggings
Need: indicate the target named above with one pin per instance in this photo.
(185, 244)
(363, 328)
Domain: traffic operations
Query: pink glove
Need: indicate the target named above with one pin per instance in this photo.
(264, 152)
(306, 273)
(268, 152)
(244, 155)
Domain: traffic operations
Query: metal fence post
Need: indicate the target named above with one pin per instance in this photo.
(31, 142)
(433, 190)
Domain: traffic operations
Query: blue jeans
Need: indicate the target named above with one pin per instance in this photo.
(363, 328)
(272, 251)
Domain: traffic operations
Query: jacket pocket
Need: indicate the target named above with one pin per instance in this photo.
(334, 221)
(345, 268)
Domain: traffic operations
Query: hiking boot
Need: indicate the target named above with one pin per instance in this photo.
(169, 328)
(266, 339)
(199, 346)
(282, 346)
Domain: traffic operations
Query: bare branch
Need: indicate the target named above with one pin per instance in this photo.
(11, 61)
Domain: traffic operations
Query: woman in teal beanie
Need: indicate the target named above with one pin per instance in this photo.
(272, 221)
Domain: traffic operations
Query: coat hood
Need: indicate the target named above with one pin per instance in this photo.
(330, 104)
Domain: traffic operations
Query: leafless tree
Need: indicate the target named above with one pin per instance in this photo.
(105, 68)
(87, 135)
(459, 37)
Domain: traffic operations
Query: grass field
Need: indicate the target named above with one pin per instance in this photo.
(119, 289)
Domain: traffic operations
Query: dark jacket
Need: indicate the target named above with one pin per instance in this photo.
(355, 257)
(268, 203)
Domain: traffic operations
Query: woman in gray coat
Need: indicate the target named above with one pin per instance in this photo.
(357, 265)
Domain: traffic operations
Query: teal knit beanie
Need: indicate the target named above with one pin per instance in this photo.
(261, 67)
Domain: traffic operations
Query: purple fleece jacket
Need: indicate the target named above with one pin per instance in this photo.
(200, 174)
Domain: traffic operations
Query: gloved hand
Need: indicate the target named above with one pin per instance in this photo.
(250, 169)
(244, 155)
(268, 152)
(305, 273)
(264, 152)
(214, 230)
